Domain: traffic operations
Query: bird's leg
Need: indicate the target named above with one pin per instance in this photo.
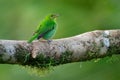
(49, 41)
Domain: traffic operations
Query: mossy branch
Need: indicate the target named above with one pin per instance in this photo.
(90, 45)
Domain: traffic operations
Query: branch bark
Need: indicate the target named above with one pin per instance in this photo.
(90, 45)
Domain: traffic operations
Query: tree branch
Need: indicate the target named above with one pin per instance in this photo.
(95, 44)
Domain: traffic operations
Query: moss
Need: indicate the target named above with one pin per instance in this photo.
(21, 54)
(3, 53)
(115, 46)
(1, 59)
(45, 62)
(114, 49)
(38, 71)
(2, 49)
(66, 57)
(93, 51)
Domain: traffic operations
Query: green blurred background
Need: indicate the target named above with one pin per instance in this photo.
(19, 18)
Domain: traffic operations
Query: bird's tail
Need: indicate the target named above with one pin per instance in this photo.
(33, 38)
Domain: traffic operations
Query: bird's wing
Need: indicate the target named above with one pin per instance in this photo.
(37, 30)
(44, 30)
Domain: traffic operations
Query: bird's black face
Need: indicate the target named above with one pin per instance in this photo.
(53, 16)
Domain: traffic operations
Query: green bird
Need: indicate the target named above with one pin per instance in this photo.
(46, 29)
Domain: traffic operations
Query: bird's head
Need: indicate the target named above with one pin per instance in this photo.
(53, 16)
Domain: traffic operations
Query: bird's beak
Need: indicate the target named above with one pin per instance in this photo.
(57, 15)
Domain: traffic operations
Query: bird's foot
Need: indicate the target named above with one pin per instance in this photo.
(49, 41)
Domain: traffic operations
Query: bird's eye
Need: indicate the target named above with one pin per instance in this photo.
(52, 15)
